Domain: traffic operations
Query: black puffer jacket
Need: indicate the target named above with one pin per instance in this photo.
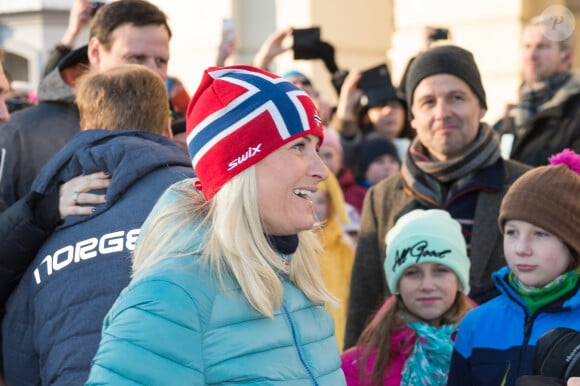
(52, 325)
(24, 226)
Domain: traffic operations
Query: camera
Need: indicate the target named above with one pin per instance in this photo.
(374, 77)
(377, 86)
(95, 5)
(439, 34)
(557, 354)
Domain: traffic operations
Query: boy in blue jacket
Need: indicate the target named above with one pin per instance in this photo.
(540, 221)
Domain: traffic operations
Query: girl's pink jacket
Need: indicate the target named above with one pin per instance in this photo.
(401, 343)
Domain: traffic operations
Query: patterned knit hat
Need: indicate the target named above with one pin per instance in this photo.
(445, 59)
(548, 197)
(426, 236)
(238, 116)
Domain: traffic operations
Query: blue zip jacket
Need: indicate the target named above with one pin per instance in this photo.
(495, 343)
(175, 325)
(51, 329)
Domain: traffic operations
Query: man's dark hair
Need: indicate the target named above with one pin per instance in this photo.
(139, 13)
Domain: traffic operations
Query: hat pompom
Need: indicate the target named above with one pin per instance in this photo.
(567, 157)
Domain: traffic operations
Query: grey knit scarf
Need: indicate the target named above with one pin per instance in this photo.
(532, 98)
(432, 181)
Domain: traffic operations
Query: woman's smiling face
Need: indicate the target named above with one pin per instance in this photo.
(286, 178)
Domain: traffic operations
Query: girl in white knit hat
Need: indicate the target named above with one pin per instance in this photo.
(410, 340)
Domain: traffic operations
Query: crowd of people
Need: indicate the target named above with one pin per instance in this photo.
(254, 233)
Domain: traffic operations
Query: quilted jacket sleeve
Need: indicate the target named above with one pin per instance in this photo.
(151, 336)
(460, 373)
(350, 366)
(24, 226)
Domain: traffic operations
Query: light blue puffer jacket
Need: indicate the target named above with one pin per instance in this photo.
(174, 325)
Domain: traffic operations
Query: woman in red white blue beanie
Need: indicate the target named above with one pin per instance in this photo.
(226, 285)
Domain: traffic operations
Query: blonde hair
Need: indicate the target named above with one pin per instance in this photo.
(232, 240)
(125, 97)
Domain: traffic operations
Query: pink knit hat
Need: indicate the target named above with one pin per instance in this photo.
(238, 116)
(332, 138)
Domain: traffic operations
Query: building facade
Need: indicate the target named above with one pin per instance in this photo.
(364, 33)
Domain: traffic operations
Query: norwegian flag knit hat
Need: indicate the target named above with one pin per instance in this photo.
(238, 116)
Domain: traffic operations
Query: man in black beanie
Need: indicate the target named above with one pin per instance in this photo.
(451, 60)
(453, 164)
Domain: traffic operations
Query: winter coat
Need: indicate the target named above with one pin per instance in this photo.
(555, 127)
(33, 135)
(24, 227)
(387, 201)
(354, 193)
(175, 324)
(496, 341)
(336, 265)
(401, 342)
(53, 319)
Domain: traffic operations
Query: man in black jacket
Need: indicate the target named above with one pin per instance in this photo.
(53, 318)
(453, 164)
(125, 31)
(546, 119)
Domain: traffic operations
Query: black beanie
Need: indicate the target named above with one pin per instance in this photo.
(445, 59)
(373, 148)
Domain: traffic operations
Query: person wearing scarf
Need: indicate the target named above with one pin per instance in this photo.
(546, 118)
(453, 164)
(540, 221)
(410, 339)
